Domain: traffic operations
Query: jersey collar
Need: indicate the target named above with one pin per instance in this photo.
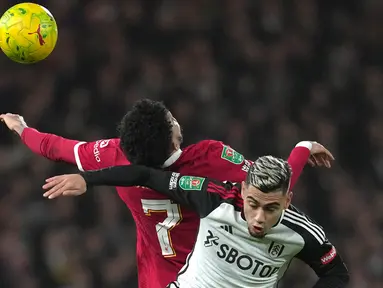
(280, 219)
(172, 159)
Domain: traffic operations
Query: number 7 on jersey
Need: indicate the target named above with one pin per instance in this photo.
(173, 218)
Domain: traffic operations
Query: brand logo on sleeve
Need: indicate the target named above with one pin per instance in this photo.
(329, 256)
(173, 181)
(104, 143)
(96, 148)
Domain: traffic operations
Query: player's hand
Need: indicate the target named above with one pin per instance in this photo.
(64, 185)
(320, 156)
(14, 122)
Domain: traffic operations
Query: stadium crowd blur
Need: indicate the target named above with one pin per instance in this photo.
(258, 75)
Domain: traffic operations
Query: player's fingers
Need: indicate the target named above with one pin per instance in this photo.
(317, 160)
(320, 159)
(311, 162)
(54, 189)
(51, 179)
(58, 178)
(325, 161)
(329, 155)
(57, 192)
(60, 192)
(51, 183)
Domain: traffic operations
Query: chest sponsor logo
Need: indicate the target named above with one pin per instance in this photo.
(191, 183)
(229, 154)
(243, 262)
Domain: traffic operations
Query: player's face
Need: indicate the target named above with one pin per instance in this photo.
(176, 132)
(263, 210)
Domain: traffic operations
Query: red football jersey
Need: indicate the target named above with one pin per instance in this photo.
(166, 232)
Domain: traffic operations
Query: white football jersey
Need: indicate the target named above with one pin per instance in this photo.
(225, 255)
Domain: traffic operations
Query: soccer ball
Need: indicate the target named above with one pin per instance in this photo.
(28, 33)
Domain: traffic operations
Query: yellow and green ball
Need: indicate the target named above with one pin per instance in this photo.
(28, 33)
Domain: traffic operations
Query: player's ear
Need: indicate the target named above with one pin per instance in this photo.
(289, 197)
(243, 189)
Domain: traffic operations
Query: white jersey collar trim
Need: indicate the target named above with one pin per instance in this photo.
(280, 218)
(172, 159)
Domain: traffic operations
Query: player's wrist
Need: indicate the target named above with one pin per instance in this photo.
(306, 144)
(19, 129)
(88, 177)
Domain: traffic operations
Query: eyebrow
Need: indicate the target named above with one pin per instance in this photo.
(268, 204)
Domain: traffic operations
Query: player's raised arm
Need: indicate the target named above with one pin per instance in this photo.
(48, 145)
(224, 163)
(86, 155)
(199, 193)
(308, 151)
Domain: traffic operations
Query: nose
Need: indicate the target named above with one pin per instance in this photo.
(259, 216)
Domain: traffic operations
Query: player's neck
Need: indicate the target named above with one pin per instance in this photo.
(173, 158)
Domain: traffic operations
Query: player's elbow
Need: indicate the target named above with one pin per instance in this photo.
(343, 274)
(346, 278)
(343, 278)
(338, 277)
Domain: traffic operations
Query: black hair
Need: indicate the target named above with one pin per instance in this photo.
(146, 133)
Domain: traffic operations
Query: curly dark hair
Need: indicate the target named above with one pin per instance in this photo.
(146, 133)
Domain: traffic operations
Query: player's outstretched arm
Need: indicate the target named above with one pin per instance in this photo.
(86, 155)
(199, 193)
(50, 146)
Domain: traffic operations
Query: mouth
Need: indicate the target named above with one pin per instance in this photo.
(257, 229)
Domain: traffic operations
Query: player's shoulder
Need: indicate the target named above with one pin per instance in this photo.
(200, 150)
(109, 143)
(214, 149)
(229, 193)
(106, 146)
(203, 146)
(304, 225)
(112, 146)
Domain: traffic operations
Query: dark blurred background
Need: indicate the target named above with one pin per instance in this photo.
(260, 75)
